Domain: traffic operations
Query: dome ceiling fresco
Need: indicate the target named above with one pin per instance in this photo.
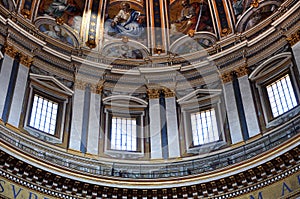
(136, 29)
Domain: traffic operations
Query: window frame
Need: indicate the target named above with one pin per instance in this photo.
(267, 73)
(50, 88)
(126, 107)
(192, 104)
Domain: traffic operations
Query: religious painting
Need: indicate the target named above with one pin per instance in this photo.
(68, 11)
(123, 51)
(190, 16)
(256, 15)
(241, 6)
(125, 19)
(58, 32)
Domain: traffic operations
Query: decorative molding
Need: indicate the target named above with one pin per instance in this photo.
(242, 71)
(97, 88)
(10, 51)
(25, 60)
(168, 93)
(255, 3)
(226, 77)
(80, 84)
(153, 93)
(26, 13)
(295, 38)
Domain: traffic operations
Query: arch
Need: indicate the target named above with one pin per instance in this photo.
(264, 67)
(131, 49)
(125, 101)
(62, 33)
(248, 19)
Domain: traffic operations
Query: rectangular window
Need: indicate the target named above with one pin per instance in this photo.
(123, 134)
(281, 96)
(43, 115)
(204, 127)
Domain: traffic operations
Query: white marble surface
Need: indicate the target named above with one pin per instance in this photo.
(249, 106)
(172, 127)
(155, 129)
(94, 124)
(232, 113)
(4, 79)
(18, 97)
(77, 117)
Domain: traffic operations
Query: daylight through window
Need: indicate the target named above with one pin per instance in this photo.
(281, 96)
(204, 127)
(124, 134)
(43, 114)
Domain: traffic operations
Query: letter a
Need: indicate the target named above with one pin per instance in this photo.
(285, 186)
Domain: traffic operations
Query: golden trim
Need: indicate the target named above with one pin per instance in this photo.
(25, 60)
(295, 38)
(254, 3)
(10, 51)
(168, 92)
(242, 71)
(153, 93)
(226, 77)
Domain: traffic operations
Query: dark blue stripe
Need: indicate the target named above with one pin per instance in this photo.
(164, 135)
(240, 107)
(85, 119)
(10, 91)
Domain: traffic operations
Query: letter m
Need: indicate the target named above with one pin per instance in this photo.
(259, 196)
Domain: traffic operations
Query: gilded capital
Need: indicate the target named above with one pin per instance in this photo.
(294, 38)
(153, 93)
(79, 84)
(242, 71)
(10, 51)
(227, 77)
(168, 93)
(96, 88)
(25, 60)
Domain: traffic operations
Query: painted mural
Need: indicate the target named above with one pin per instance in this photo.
(57, 32)
(125, 19)
(70, 11)
(187, 16)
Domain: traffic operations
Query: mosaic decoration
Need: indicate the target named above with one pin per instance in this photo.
(65, 11)
(125, 19)
(190, 16)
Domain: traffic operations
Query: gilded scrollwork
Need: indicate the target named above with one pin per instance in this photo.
(25, 60)
(153, 93)
(294, 38)
(10, 51)
(168, 92)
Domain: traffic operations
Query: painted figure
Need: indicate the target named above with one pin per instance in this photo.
(195, 16)
(126, 23)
